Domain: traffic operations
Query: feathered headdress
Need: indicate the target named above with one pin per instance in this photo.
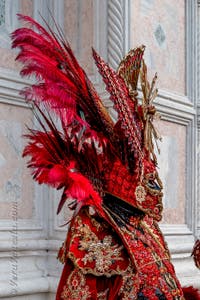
(89, 155)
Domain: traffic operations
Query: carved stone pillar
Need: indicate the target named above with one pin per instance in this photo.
(118, 30)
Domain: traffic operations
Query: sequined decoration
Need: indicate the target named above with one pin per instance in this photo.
(140, 193)
(103, 295)
(76, 287)
(130, 284)
(102, 253)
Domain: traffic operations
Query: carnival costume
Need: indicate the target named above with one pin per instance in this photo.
(107, 170)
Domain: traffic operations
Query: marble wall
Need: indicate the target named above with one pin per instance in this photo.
(171, 165)
(15, 184)
(81, 26)
(160, 26)
(31, 232)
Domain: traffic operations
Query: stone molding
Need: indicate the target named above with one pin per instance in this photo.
(11, 83)
(25, 287)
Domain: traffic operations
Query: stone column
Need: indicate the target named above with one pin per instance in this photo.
(118, 30)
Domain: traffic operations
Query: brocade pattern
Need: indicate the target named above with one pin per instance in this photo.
(94, 249)
(76, 287)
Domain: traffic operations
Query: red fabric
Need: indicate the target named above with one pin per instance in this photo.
(91, 260)
(196, 253)
(94, 247)
(96, 286)
(191, 293)
(120, 183)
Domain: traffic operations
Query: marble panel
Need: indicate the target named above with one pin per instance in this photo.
(79, 27)
(16, 186)
(160, 26)
(8, 59)
(26, 7)
(171, 162)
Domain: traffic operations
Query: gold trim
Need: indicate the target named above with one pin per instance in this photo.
(104, 254)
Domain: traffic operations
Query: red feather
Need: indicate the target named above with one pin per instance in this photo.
(32, 22)
(55, 155)
(50, 58)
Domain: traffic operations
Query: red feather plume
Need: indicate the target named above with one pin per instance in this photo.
(62, 83)
(67, 159)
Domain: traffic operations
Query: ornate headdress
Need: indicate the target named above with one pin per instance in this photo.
(91, 155)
